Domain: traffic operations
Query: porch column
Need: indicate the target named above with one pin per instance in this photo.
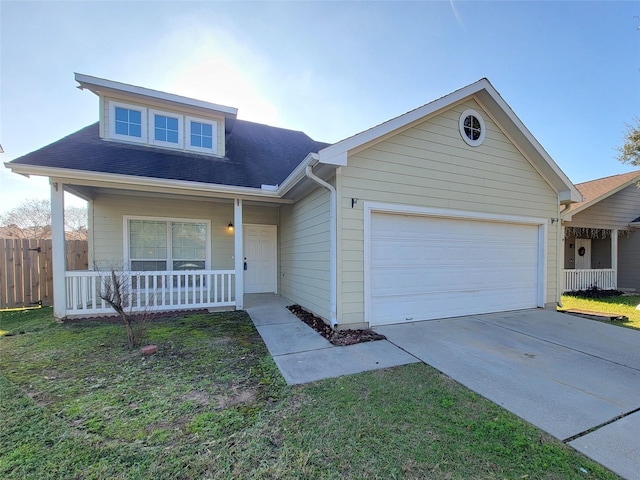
(59, 259)
(614, 257)
(238, 252)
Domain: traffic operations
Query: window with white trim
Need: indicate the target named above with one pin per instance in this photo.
(128, 122)
(155, 244)
(166, 129)
(472, 127)
(202, 135)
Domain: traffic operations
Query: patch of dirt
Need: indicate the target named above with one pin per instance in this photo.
(236, 397)
(201, 398)
(339, 338)
(147, 316)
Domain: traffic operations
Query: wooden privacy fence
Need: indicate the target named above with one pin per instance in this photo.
(26, 272)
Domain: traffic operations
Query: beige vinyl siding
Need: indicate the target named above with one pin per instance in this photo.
(109, 211)
(430, 165)
(304, 252)
(159, 105)
(614, 212)
(629, 263)
(260, 215)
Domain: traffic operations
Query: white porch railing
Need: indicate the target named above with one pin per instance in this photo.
(154, 291)
(579, 279)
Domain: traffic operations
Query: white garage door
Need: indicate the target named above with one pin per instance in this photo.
(430, 267)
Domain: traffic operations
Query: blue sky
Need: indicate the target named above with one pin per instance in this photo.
(569, 70)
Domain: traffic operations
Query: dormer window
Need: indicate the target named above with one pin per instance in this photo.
(202, 135)
(134, 123)
(166, 128)
(128, 122)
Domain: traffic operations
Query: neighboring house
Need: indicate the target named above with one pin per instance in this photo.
(601, 239)
(450, 209)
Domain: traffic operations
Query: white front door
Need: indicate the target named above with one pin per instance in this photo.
(260, 259)
(583, 253)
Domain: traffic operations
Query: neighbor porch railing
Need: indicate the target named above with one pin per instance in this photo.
(583, 279)
(151, 291)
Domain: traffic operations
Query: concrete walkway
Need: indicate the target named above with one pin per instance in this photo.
(303, 355)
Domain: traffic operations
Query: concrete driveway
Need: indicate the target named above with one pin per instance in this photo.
(577, 379)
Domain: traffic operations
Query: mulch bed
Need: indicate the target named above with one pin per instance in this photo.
(594, 293)
(336, 337)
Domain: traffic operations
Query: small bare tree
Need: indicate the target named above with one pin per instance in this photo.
(117, 290)
(32, 219)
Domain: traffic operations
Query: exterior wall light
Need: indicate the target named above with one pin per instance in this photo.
(230, 227)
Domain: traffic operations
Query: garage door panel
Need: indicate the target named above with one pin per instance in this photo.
(426, 267)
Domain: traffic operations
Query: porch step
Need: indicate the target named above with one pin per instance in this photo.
(591, 314)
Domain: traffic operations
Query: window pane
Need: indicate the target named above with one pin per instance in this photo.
(196, 128)
(207, 130)
(135, 117)
(195, 141)
(122, 128)
(148, 239)
(188, 241)
(172, 123)
(188, 265)
(135, 130)
(122, 114)
(172, 137)
(161, 122)
(148, 266)
(206, 142)
(161, 134)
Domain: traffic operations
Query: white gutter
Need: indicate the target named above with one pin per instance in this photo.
(332, 244)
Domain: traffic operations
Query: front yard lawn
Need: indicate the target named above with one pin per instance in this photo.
(76, 404)
(622, 305)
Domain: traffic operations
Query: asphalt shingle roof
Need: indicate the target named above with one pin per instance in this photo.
(600, 187)
(256, 154)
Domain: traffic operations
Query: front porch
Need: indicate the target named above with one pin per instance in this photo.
(149, 291)
(590, 258)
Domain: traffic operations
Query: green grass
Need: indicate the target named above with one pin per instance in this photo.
(622, 305)
(211, 404)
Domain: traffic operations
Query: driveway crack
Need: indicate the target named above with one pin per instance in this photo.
(598, 427)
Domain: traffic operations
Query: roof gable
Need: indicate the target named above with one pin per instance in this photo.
(485, 94)
(599, 189)
(100, 86)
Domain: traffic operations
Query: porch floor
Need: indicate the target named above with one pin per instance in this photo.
(303, 355)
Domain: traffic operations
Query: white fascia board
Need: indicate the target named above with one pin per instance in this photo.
(96, 85)
(336, 154)
(573, 194)
(180, 186)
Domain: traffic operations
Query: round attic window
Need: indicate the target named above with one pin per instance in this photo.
(472, 128)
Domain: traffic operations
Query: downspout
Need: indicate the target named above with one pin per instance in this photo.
(332, 244)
